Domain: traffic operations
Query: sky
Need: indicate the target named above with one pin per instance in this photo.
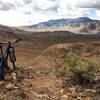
(29, 12)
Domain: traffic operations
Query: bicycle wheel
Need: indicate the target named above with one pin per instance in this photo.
(12, 57)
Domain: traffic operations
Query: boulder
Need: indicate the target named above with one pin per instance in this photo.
(14, 77)
(10, 86)
(90, 92)
(64, 97)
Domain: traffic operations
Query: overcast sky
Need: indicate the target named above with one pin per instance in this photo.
(27, 12)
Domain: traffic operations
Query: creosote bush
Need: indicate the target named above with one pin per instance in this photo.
(77, 69)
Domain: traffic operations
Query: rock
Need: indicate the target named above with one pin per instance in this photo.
(8, 77)
(62, 92)
(64, 97)
(2, 83)
(59, 82)
(69, 94)
(10, 86)
(14, 77)
(79, 98)
(97, 77)
(90, 92)
(38, 72)
(40, 96)
(74, 95)
(82, 94)
(72, 90)
(2, 96)
(78, 88)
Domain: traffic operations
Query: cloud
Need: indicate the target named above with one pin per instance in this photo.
(45, 5)
(98, 14)
(93, 5)
(34, 11)
(6, 6)
(27, 1)
(89, 4)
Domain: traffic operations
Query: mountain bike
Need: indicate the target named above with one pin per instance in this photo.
(6, 55)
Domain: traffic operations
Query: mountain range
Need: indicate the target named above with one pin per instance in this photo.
(81, 25)
(76, 25)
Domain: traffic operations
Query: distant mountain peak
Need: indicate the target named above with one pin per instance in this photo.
(83, 24)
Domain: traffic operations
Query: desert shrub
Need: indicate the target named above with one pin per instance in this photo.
(98, 90)
(78, 70)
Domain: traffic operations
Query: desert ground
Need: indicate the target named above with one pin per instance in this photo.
(39, 55)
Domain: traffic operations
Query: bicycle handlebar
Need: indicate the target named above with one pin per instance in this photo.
(14, 41)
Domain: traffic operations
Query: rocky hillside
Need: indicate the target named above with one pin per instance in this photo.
(9, 33)
(81, 24)
(40, 55)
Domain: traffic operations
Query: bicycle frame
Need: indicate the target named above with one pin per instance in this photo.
(1, 50)
(9, 53)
